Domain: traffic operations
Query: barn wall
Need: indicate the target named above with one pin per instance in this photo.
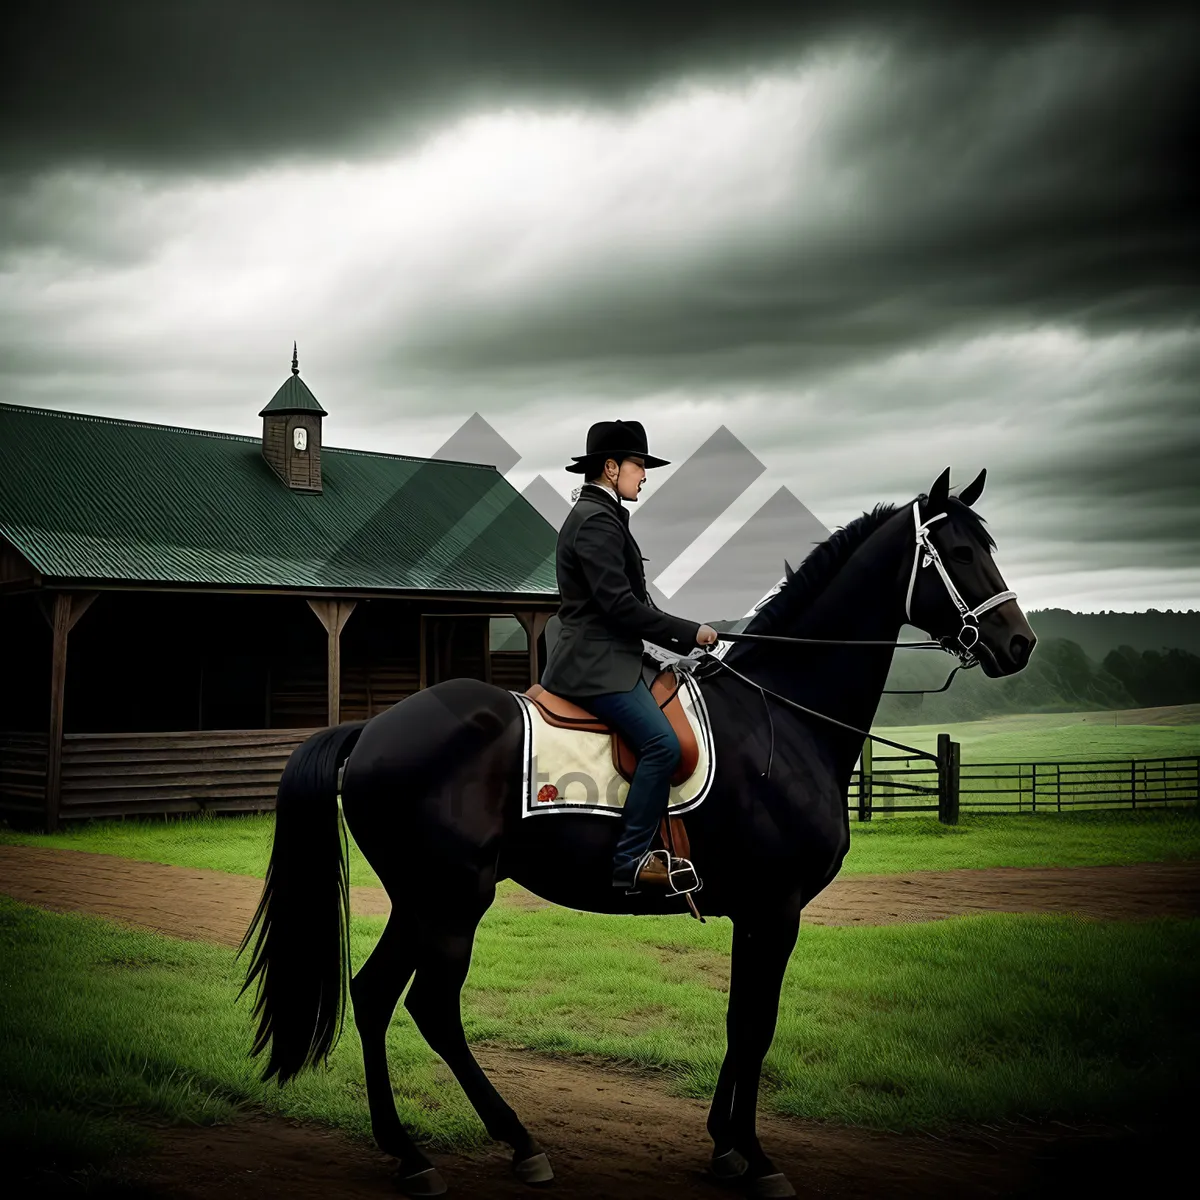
(133, 662)
(183, 702)
(23, 777)
(25, 645)
(381, 658)
(510, 669)
(158, 662)
(137, 774)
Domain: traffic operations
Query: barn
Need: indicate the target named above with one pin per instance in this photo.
(180, 608)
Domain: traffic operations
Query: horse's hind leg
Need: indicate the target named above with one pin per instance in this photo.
(434, 1002)
(375, 991)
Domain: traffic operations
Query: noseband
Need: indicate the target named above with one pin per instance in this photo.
(924, 553)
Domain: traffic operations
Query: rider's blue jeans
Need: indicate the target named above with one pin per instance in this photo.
(644, 726)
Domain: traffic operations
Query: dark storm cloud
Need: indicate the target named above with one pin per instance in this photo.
(1130, 474)
(871, 243)
(150, 83)
(1014, 185)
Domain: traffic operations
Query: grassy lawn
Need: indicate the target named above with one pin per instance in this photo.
(1076, 839)
(238, 844)
(242, 845)
(1043, 738)
(902, 1027)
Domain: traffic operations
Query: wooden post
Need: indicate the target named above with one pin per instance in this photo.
(955, 779)
(864, 782)
(534, 624)
(423, 674)
(62, 614)
(948, 779)
(334, 614)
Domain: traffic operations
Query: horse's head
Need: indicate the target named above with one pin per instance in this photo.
(954, 590)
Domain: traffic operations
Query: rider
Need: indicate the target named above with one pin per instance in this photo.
(605, 613)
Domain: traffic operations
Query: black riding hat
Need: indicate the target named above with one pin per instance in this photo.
(615, 439)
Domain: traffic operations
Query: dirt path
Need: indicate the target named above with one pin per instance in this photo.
(611, 1132)
(213, 906)
(619, 1134)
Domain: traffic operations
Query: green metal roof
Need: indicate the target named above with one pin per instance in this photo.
(94, 498)
(293, 396)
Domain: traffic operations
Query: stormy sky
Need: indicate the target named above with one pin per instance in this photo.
(867, 241)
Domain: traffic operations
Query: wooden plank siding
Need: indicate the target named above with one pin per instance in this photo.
(510, 669)
(23, 762)
(150, 774)
(143, 774)
(147, 774)
(298, 696)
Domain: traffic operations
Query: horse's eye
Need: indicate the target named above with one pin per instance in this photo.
(963, 554)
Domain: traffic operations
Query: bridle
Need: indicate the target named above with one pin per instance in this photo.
(963, 645)
(925, 553)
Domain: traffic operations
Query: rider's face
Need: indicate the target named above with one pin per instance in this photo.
(629, 478)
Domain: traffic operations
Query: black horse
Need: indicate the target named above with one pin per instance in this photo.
(431, 791)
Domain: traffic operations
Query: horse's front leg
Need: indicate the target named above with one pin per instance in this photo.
(761, 947)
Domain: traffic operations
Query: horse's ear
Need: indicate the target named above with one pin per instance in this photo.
(787, 570)
(940, 492)
(974, 489)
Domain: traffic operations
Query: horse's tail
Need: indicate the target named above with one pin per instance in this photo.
(303, 918)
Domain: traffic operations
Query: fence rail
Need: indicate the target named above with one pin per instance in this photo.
(898, 783)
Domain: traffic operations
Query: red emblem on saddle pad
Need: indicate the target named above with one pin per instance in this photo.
(547, 793)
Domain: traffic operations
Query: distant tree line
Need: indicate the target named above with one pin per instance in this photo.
(1059, 678)
(1156, 677)
(1099, 633)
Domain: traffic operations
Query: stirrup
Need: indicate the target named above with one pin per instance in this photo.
(682, 876)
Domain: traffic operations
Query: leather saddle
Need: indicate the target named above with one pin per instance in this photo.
(556, 710)
(664, 687)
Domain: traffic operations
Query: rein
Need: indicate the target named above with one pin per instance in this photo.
(966, 659)
(812, 712)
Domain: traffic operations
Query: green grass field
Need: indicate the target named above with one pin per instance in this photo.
(242, 845)
(1077, 839)
(977, 1019)
(1051, 737)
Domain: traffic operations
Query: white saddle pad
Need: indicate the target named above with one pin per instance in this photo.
(571, 770)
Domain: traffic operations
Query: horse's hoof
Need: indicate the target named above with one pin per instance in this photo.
(535, 1169)
(428, 1182)
(767, 1187)
(730, 1165)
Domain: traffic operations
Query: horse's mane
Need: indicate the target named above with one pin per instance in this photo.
(827, 558)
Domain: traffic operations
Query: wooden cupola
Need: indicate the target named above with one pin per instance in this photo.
(291, 440)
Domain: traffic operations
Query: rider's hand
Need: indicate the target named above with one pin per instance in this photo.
(706, 635)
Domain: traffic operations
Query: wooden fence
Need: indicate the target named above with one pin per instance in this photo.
(899, 783)
(1059, 786)
(908, 782)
